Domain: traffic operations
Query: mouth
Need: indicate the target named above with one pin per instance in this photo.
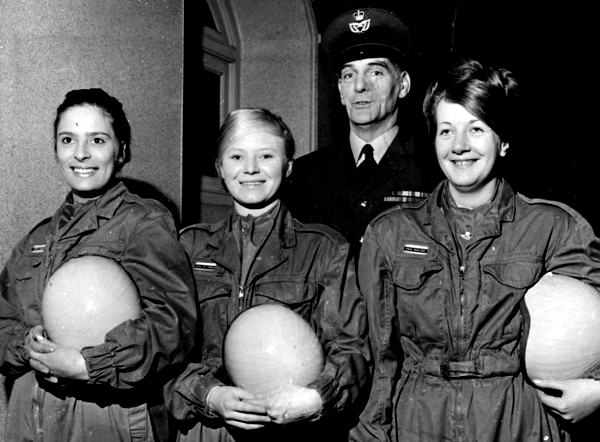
(251, 183)
(83, 171)
(463, 163)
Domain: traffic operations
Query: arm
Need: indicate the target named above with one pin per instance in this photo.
(19, 279)
(135, 350)
(343, 330)
(195, 395)
(376, 418)
(577, 254)
(572, 400)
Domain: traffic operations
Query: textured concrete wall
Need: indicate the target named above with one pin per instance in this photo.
(130, 48)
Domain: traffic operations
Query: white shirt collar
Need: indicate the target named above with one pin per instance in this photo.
(380, 145)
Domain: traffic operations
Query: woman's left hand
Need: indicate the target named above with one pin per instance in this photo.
(291, 404)
(572, 400)
(62, 361)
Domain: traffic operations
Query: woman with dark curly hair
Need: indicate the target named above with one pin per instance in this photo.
(111, 391)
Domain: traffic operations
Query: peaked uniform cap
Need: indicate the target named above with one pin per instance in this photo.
(366, 33)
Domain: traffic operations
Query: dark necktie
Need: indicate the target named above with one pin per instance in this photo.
(366, 169)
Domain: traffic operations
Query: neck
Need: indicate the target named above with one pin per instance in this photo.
(368, 132)
(472, 200)
(254, 211)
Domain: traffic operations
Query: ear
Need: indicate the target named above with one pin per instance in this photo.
(405, 84)
(122, 153)
(288, 172)
(503, 149)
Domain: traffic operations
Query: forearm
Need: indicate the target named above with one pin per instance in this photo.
(14, 358)
(186, 396)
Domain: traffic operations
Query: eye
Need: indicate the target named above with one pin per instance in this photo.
(65, 140)
(347, 75)
(98, 140)
(443, 132)
(235, 157)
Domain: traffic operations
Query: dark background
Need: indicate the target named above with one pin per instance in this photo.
(550, 49)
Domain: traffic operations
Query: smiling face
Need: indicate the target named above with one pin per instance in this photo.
(370, 90)
(87, 150)
(253, 167)
(467, 150)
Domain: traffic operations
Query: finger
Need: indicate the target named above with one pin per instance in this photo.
(242, 394)
(44, 342)
(262, 403)
(245, 426)
(40, 348)
(38, 356)
(38, 366)
(551, 402)
(37, 330)
(251, 407)
(548, 384)
(249, 418)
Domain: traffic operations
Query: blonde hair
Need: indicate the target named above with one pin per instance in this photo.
(240, 122)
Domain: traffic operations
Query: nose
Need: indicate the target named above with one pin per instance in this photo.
(82, 151)
(460, 143)
(361, 83)
(250, 165)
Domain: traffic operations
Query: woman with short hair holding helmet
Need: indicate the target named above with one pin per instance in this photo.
(261, 255)
(444, 282)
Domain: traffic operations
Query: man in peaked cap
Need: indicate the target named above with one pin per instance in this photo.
(342, 185)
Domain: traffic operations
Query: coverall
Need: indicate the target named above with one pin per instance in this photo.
(445, 294)
(127, 371)
(305, 267)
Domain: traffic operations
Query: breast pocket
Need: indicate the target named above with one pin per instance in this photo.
(29, 286)
(517, 274)
(294, 291)
(419, 298)
(214, 294)
(411, 276)
(503, 286)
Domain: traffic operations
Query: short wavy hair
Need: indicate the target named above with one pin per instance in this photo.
(488, 93)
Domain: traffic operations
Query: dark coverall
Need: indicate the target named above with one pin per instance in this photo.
(451, 306)
(127, 371)
(304, 267)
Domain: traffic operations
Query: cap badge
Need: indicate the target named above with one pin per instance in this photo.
(362, 25)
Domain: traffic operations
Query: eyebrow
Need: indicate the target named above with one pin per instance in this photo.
(92, 134)
(476, 120)
(381, 63)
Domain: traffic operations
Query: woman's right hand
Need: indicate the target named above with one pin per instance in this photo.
(231, 404)
(35, 342)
